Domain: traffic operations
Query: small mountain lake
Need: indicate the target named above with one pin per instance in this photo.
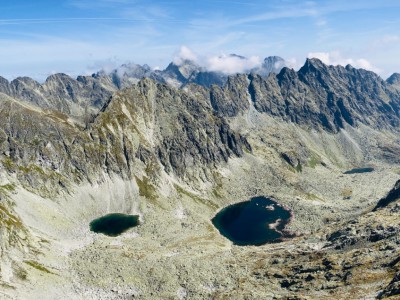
(359, 170)
(256, 222)
(114, 224)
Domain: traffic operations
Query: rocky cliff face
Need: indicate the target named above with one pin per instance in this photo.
(182, 132)
(150, 121)
(392, 196)
(317, 96)
(394, 80)
(271, 64)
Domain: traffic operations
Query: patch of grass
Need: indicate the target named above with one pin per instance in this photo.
(218, 185)
(57, 115)
(312, 196)
(7, 187)
(21, 273)
(35, 142)
(37, 266)
(9, 219)
(47, 174)
(7, 286)
(346, 193)
(32, 168)
(245, 150)
(216, 192)
(146, 189)
(195, 197)
(152, 168)
(396, 171)
(299, 168)
(314, 161)
(9, 164)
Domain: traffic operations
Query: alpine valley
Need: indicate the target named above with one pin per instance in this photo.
(177, 146)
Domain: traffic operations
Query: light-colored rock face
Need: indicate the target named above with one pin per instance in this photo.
(271, 64)
(175, 158)
(394, 80)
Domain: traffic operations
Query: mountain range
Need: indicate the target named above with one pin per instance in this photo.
(175, 146)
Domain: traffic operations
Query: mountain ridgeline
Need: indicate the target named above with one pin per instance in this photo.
(318, 96)
(84, 96)
(101, 123)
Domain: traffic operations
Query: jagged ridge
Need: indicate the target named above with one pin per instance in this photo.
(318, 96)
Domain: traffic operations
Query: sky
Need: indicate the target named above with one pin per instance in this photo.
(42, 37)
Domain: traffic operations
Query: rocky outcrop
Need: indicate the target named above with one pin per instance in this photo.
(394, 80)
(392, 196)
(392, 289)
(317, 96)
(232, 98)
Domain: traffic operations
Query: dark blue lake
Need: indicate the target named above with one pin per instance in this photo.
(359, 170)
(114, 224)
(255, 222)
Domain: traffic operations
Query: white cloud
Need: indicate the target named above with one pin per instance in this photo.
(106, 65)
(230, 64)
(293, 63)
(336, 58)
(184, 54)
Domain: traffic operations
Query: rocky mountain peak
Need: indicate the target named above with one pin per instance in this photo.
(4, 86)
(58, 77)
(25, 85)
(133, 70)
(271, 64)
(3, 81)
(26, 80)
(274, 58)
(184, 69)
(286, 73)
(394, 79)
(312, 65)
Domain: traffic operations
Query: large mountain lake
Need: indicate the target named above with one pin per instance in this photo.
(114, 224)
(256, 222)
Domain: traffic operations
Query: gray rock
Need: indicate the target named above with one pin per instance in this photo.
(392, 196)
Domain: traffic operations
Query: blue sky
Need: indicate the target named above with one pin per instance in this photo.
(41, 37)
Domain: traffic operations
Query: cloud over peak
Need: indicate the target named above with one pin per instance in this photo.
(184, 54)
(231, 64)
(336, 58)
(228, 64)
